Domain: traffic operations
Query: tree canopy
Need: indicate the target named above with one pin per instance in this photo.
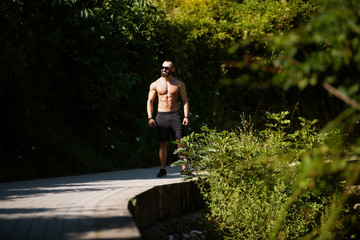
(74, 87)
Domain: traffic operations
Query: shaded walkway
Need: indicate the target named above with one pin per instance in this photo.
(90, 206)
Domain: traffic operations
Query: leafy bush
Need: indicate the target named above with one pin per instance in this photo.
(72, 71)
(271, 184)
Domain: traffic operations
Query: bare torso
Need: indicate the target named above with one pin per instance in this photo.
(168, 92)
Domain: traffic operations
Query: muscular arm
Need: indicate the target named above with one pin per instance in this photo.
(185, 102)
(150, 104)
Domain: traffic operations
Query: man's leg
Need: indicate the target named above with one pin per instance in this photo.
(178, 130)
(163, 154)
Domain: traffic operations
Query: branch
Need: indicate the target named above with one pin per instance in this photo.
(341, 96)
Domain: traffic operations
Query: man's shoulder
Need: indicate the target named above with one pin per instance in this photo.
(177, 81)
(155, 83)
(159, 80)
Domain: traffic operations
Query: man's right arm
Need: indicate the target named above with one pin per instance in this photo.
(150, 104)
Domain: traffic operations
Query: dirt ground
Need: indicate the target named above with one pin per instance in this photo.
(177, 228)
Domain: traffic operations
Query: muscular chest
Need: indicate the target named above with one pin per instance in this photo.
(167, 89)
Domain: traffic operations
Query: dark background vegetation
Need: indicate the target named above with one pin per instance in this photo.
(74, 78)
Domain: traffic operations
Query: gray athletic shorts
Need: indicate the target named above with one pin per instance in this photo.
(169, 124)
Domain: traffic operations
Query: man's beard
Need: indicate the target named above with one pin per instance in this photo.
(166, 74)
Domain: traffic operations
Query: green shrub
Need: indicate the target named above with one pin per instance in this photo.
(271, 184)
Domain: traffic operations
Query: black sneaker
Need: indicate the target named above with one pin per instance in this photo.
(161, 173)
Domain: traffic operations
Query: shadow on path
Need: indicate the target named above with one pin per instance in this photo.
(57, 228)
(92, 206)
(88, 182)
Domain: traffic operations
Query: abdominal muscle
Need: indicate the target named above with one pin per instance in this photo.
(167, 103)
(167, 93)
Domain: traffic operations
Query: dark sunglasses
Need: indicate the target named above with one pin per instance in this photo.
(166, 68)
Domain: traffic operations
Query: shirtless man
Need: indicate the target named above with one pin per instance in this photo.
(168, 120)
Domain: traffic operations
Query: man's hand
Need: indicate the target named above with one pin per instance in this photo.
(186, 122)
(152, 123)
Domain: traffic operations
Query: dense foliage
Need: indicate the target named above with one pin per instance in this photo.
(326, 52)
(275, 184)
(283, 184)
(200, 36)
(75, 76)
(71, 84)
(234, 20)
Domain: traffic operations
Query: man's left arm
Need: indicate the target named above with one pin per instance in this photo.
(185, 102)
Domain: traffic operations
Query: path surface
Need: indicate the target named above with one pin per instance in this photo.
(90, 206)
